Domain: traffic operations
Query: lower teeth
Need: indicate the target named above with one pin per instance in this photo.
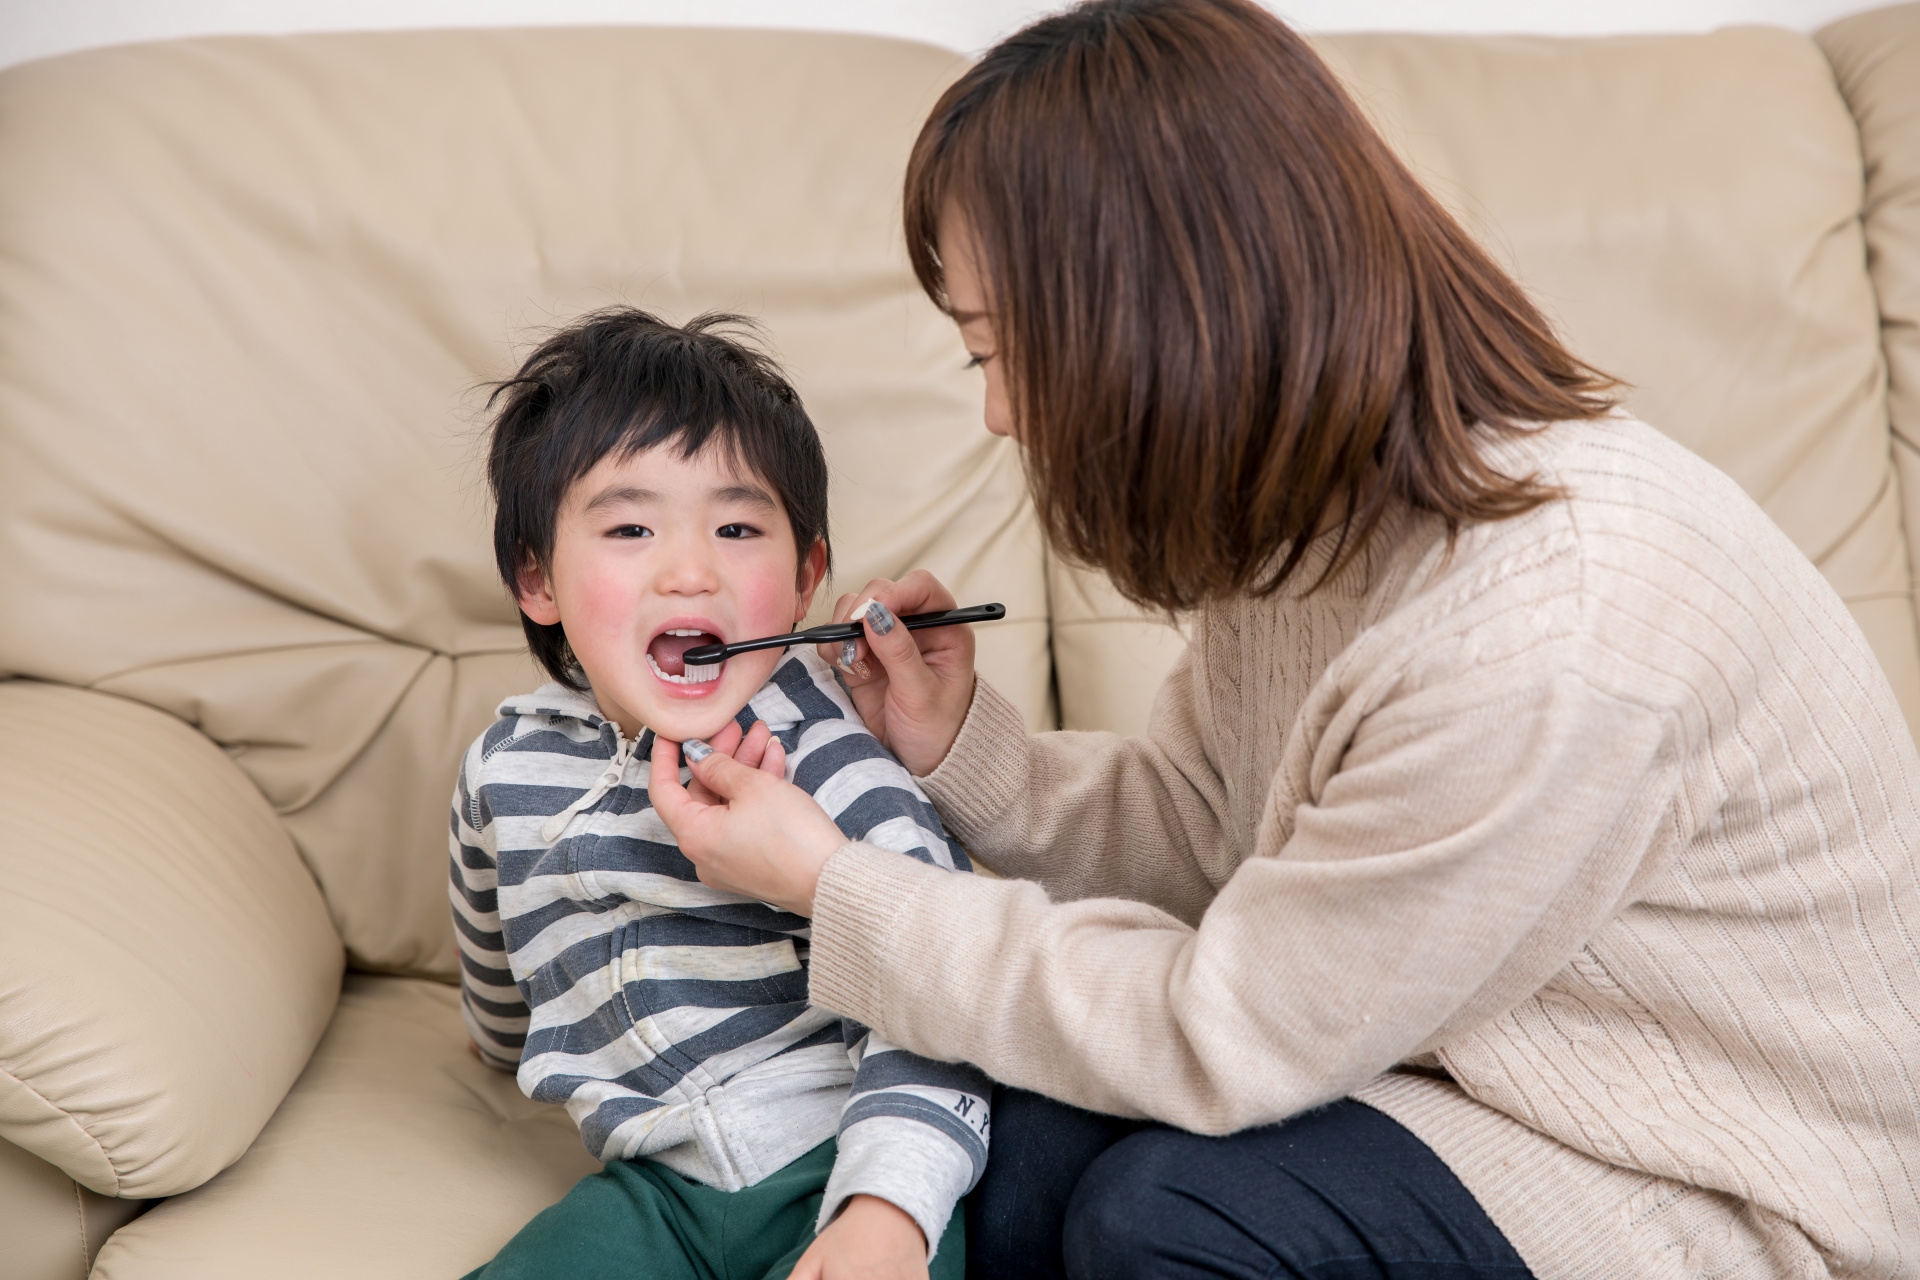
(703, 674)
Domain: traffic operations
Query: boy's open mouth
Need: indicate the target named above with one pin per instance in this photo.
(664, 655)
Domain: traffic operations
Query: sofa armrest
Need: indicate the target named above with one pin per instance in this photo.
(166, 961)
(53, 1228)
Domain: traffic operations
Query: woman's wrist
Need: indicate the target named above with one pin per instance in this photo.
(859, 893)
(807, 894)
(932, 760)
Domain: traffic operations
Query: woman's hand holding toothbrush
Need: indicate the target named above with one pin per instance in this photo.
(913, 689)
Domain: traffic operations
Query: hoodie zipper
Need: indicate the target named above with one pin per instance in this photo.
(553, 828)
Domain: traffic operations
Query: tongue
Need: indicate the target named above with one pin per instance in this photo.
(668, 650)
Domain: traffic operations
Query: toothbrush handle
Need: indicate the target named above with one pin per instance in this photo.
(912, 622)
(711, 653)
(952, 617)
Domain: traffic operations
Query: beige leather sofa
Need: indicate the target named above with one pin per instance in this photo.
(250, 293)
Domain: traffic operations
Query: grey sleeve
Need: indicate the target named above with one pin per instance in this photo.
(490, 1002)
(914, 1133)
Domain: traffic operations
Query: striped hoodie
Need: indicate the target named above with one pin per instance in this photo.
(671, 1019)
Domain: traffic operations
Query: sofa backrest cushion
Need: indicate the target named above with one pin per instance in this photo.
(251, 291)
(1686, 208)
(1876, 59)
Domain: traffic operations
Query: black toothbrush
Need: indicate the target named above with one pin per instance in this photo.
(707, 654)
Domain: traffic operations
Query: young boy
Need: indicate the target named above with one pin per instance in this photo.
(660, 488)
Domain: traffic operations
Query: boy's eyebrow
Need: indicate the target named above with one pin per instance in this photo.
(614, 495)
(752, 495)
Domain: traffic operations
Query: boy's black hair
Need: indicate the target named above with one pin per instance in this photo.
(621, 381)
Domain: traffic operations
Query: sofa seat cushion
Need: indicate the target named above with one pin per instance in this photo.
(396, 1154)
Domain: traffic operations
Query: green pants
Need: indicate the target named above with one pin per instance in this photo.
(637, 1220)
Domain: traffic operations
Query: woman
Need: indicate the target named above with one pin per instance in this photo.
(1524, 794)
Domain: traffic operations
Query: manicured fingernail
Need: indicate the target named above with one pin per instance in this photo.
(849, 650)
(695, 750)
(879, 617)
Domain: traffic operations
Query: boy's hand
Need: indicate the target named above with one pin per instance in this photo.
(872, 1239)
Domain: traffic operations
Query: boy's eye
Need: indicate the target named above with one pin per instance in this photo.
(630, 531)
(736, 531)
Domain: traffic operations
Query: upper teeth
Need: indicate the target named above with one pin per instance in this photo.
(684, 631)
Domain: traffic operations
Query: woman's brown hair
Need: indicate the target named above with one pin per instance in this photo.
(1231, 317)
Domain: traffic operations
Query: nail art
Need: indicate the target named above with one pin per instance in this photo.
(849, 650)
(695, 750)
(879, 617)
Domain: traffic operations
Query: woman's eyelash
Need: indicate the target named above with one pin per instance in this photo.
(976, 362)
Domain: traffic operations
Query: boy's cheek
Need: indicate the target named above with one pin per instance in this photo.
(768, 601)
(604, 595)
(595, 603)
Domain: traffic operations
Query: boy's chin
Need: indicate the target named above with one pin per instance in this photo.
(678, 718)
(677, 721)
(680, 728)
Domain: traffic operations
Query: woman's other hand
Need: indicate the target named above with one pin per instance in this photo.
(756, 749)
(743, 825)
(915, 697)
(871, 1239)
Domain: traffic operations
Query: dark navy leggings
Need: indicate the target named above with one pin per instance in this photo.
(1342, 1193)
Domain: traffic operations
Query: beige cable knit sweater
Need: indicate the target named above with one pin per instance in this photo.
(1587, 852)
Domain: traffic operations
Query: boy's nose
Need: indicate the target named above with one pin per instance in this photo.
(688, 573)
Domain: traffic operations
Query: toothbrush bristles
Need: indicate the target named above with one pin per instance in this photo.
(689, 674)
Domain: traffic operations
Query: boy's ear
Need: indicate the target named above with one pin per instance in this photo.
(535, 593)
(813, 570)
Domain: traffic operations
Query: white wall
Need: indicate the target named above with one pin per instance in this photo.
(39, 28)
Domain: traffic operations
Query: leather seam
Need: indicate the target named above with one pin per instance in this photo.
(80, 1215)
(368, 638)
(68, 1116)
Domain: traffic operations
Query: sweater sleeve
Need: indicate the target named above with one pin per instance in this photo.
(1467, 842)
(1094, 814)
(490, 1002)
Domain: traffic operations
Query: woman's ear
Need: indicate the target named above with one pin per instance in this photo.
(535, 594)
(813, 571)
